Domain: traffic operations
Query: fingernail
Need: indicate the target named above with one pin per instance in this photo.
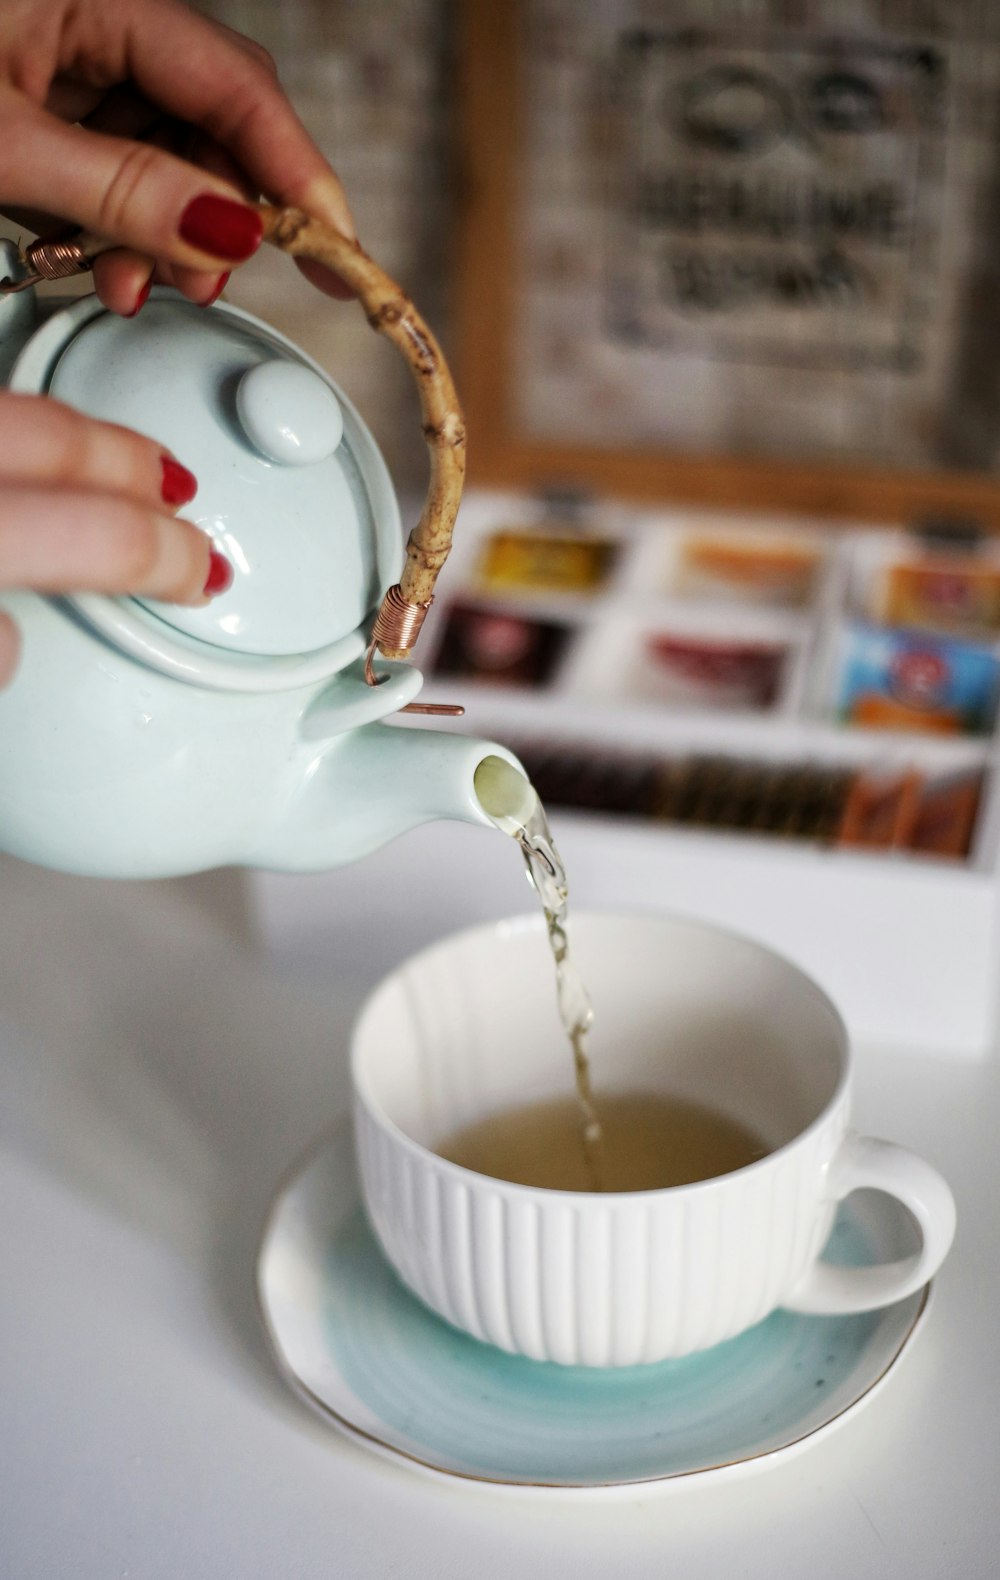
(179, 486)
(220, 226)
(142, 298)
(220, 574)
(221, 284)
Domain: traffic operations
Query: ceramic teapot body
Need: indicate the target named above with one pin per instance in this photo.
(142, 739)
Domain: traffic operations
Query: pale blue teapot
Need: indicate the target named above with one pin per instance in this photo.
(143, 739)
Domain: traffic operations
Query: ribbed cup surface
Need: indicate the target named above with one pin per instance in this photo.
(590, 1280)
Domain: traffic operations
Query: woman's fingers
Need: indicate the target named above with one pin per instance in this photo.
(86, 506)
(142, 197)
(123, 279)
(108, 175)
(138, 195)
(209, 155)
(228, 88)
(120, 111)
(61, 541)
(44, 442)
(10, 647)
(123, 276)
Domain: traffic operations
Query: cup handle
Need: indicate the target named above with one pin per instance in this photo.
(860, 1162)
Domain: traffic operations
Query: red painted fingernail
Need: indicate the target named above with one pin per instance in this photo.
(221, 227)
(142, 298)
(220, 574)
(179, 486)
(223, 281)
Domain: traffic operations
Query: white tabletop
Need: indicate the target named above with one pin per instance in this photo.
(158, 1072)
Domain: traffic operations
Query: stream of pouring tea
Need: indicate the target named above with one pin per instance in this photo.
(548, 877)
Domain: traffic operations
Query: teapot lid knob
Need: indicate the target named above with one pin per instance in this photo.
(288, 413)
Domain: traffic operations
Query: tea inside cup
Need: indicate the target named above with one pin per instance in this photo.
(469, 1029)
(647, 1140)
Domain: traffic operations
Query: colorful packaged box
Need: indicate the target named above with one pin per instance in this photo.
(946, 815)
(545, 562)
(590, 777)
(790, 800)
(754, 568)
(504, 649)
(958, 594)
(808, 801)
(881, 809)
(703, 672)
(904, 680)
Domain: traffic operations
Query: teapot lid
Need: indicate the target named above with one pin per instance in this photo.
(291, 486)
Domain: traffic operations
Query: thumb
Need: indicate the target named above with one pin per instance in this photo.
(130, 192)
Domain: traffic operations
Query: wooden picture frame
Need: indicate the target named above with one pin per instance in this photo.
(487, 277)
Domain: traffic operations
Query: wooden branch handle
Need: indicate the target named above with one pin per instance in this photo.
(391, 313)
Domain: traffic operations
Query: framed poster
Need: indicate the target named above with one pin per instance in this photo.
(731, 254)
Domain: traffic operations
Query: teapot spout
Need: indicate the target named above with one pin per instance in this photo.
(376, 782)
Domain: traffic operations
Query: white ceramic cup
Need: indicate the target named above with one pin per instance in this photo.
(469, 1027)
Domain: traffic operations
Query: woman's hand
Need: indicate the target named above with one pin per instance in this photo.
(179, 121)
(147, 124)
(88, 506)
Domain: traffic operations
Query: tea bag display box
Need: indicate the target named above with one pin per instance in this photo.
(736, 718)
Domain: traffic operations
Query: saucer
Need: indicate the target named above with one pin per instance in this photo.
(380, 1366)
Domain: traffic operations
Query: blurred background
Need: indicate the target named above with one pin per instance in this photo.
(719, 280)
(759, 227)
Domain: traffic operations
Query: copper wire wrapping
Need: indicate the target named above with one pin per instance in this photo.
(397, 625)
(396, 628)
(398, 621)
(56, 260)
